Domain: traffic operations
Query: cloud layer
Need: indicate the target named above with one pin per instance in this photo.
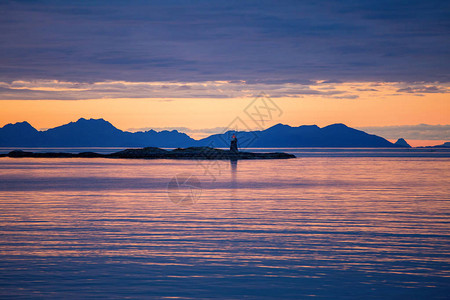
(204, 41)
(65, 90)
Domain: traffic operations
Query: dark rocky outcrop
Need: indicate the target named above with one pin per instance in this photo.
(155, 153)
(147, 152)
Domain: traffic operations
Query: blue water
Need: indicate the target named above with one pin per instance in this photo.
(312, 227)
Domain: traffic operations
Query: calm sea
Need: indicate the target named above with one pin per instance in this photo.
(322, 226)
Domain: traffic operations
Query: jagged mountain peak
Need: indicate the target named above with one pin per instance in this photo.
(89, 125)
(19, 126)
(23, 124)
(279, 126)
(82, 120)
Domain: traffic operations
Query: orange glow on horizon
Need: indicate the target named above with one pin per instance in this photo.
(375, 104)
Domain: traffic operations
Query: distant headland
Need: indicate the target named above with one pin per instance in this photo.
(158, 153)
(101, 133)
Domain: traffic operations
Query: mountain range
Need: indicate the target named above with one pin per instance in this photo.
(444, 145)
(101, 133)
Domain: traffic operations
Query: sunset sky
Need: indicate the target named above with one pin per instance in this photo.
(382, 66)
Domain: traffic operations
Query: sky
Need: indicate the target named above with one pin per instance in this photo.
(382, 66)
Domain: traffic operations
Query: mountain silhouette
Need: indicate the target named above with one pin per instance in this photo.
(19, 134)
(336, 135)
(101, 133)
(88, 133)
(444, 145)
(402, 143)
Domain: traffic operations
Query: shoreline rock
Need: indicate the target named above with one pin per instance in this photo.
(206, 153)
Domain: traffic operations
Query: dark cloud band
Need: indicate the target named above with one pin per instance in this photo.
(256, 41)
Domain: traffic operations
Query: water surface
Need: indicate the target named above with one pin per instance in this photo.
(322, 227)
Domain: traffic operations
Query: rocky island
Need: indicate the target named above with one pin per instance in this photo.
(158, 153)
